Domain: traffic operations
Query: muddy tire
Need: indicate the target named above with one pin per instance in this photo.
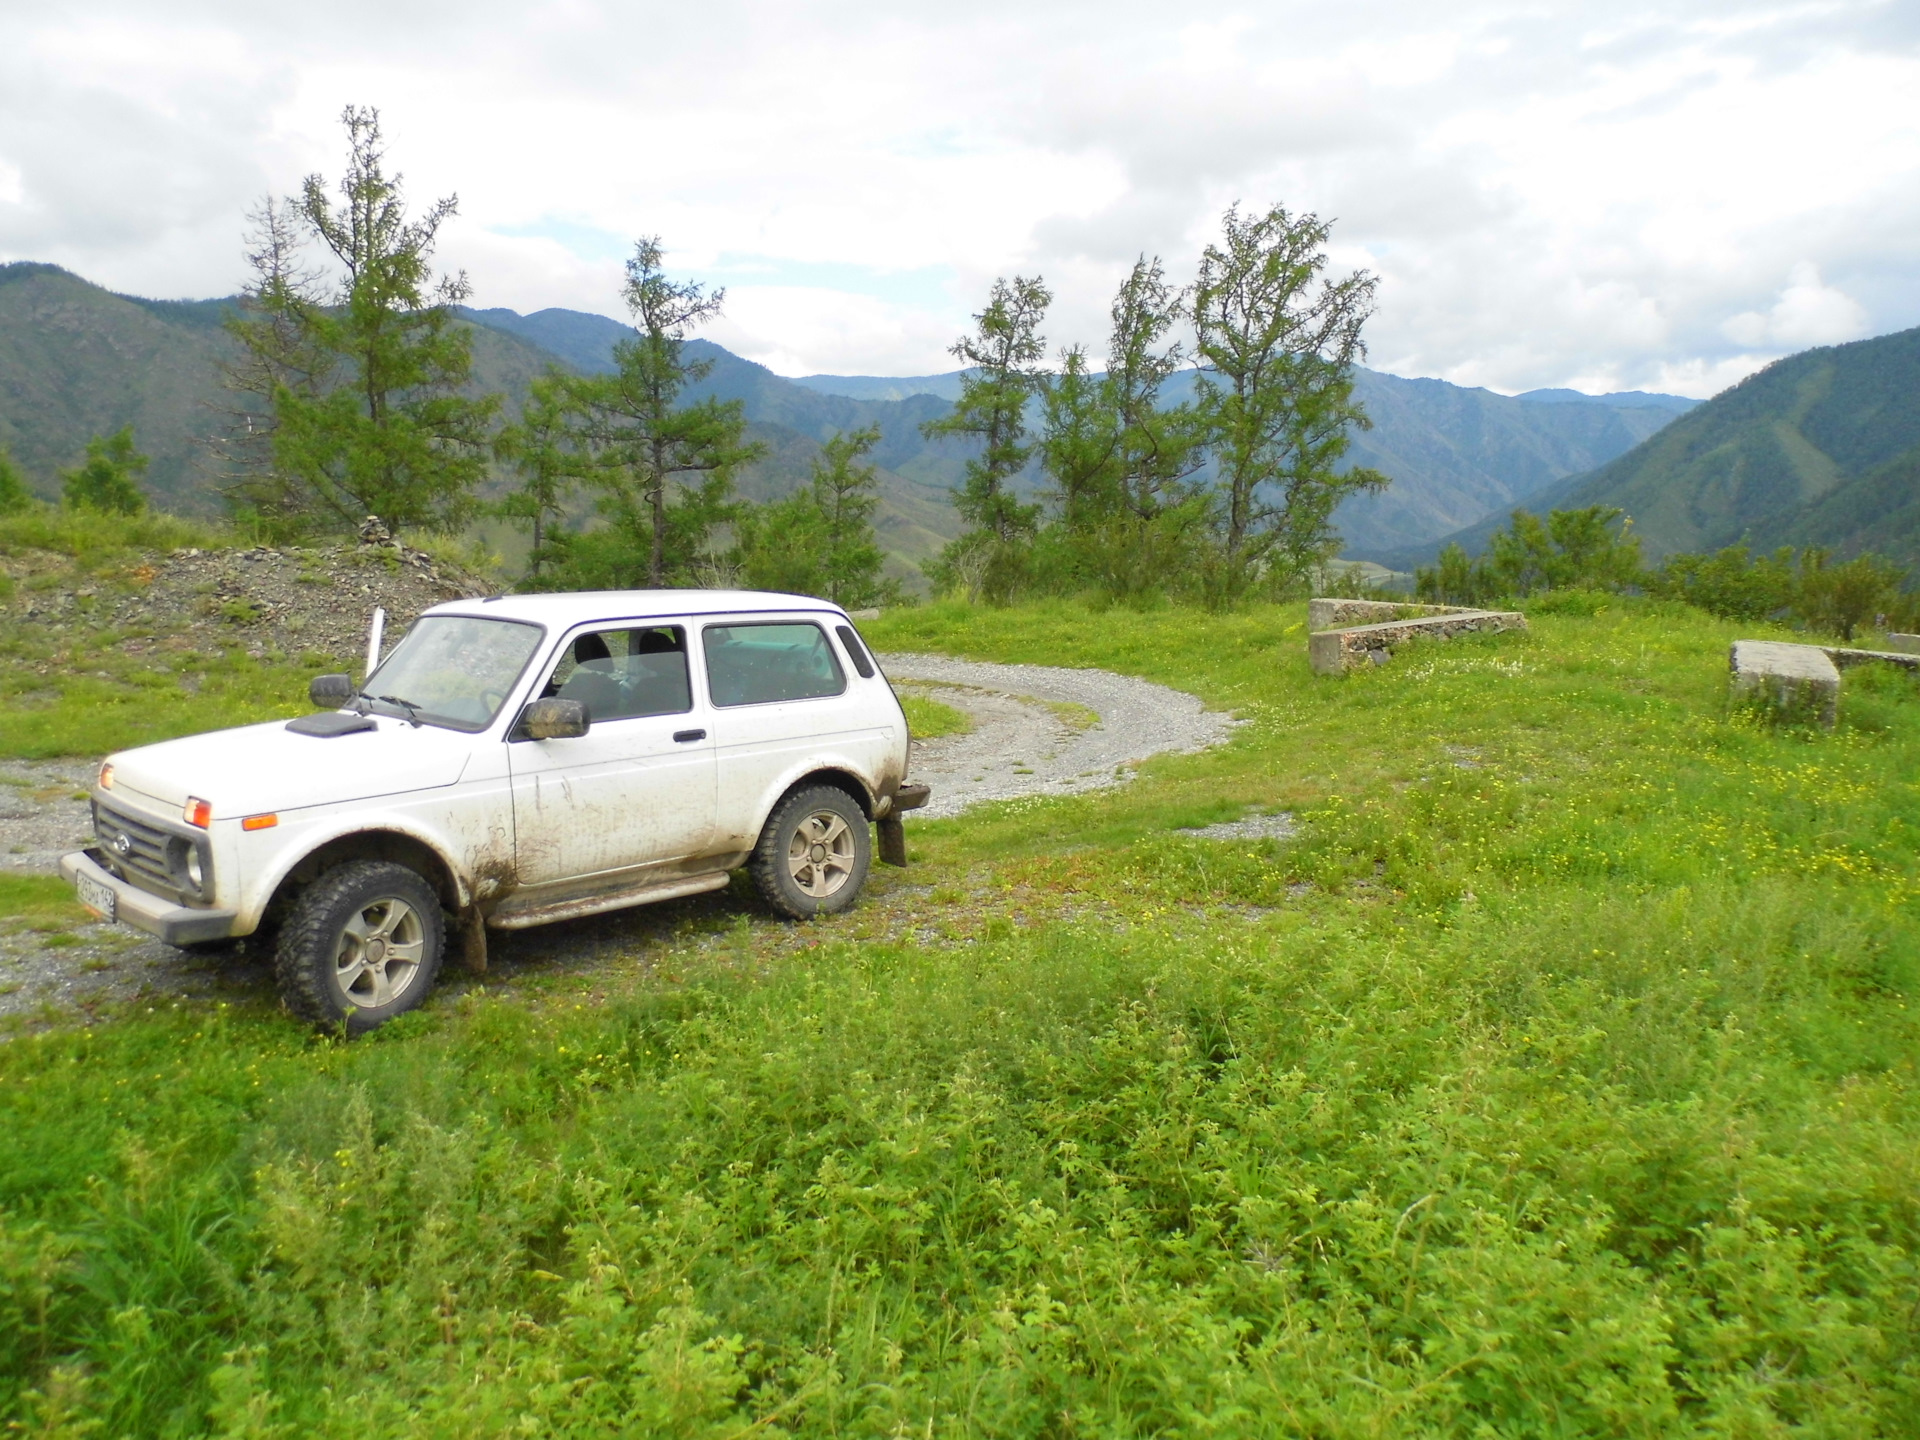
(814, 855)
(361, 945)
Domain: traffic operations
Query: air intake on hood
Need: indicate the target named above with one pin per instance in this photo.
(329, 723)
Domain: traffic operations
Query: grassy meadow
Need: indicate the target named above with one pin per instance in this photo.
(1558, 1079)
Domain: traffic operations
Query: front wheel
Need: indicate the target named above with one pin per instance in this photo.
(814, 855)
(362, 945)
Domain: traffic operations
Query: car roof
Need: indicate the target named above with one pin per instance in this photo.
(579, 607)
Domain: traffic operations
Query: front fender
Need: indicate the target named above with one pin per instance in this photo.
(322, 832)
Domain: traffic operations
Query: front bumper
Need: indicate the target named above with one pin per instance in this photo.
(159, 917)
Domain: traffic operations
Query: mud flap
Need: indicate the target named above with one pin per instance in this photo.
(893, 841)
(473, 941)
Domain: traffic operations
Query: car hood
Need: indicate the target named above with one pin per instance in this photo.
(256, 768)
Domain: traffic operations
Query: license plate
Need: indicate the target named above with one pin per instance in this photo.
(95, 896)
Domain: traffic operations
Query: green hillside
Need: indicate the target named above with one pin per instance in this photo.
(77, 360)
(1821, 448)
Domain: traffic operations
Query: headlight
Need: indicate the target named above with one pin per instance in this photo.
(196, 874)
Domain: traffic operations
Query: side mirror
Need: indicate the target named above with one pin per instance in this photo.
(330, 692)
(554, 719)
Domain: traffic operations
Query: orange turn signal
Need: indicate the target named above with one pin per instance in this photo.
(106, 776)
(197, 812)
(259, 822)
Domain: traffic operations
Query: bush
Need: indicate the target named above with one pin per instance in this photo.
(1570, 549)
(14, 495)
(107, 481)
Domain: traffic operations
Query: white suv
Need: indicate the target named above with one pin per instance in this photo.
(514, 760)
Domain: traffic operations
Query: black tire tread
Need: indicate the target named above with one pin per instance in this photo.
(768, 853)
(308, 930)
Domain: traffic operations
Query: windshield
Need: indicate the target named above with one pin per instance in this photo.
(452, 670)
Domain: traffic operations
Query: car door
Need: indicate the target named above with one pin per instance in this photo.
(638, 789)
(780, 698)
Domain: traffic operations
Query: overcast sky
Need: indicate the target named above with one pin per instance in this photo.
(1613, 195)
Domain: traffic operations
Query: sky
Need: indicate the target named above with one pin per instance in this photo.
(1605, 196)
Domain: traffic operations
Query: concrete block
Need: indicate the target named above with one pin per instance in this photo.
(1339, 614)
(1791, 682)
(1847, 659)
(1906, 644)
(1334, 652)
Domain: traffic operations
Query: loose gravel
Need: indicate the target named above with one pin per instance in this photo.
(1021, 746)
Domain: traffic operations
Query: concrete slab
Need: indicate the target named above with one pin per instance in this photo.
(1326, 614)
(1792, 682)
(1847, 659)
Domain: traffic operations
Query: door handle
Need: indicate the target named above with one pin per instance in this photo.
(683, 736)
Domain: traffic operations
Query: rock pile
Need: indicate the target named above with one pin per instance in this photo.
(288, 600)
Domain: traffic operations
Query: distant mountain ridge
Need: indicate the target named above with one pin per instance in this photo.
(1821, 448)
(1456, 453)
(77, 360)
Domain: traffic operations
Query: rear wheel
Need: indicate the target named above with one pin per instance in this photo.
(362, 944)
(814, 855)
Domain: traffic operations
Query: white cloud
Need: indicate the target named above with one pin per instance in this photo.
(1549, 194)
(1807, 313)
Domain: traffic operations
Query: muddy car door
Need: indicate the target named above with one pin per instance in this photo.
(637, 790)
(782, 703)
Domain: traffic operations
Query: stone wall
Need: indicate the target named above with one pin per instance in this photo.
(1334, 652)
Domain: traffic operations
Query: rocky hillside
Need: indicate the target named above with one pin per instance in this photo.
(303, 605)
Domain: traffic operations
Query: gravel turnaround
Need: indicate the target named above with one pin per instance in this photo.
(1020, 745)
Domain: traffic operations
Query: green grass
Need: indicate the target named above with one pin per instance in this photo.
(1558, 1080)
(928, 719)
(39, 898)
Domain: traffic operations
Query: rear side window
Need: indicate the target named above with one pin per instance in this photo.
(625, 674)
(762, 664)
(856, 652)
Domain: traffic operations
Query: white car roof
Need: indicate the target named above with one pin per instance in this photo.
(565, 609)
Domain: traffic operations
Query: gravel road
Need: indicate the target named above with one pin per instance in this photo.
(1043, 730)
(1037, 730)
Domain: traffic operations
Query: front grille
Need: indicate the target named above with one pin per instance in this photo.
(143, 852)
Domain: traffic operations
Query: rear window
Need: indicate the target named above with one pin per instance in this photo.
(763, 664)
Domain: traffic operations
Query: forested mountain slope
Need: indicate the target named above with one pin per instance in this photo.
(77, 360)
(1821, 448)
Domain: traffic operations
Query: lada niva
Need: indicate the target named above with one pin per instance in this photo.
(513, 761)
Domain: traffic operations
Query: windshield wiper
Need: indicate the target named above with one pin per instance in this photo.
(413, 710)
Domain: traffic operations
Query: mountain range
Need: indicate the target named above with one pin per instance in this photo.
(78, 360)
(1821, 448)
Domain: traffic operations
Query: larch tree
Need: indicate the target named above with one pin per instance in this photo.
(548, 448)
(1277, 342)
(820, 540)
(371, 413)
(1003, 359)
(664, 470)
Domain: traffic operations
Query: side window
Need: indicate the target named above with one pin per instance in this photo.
(760, 664)
(625, 674)
(856, 652)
